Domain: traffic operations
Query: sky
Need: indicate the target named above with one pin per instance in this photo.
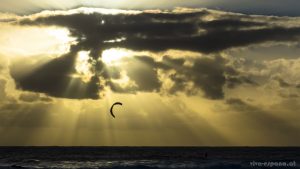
(265, 7)
(189, 73)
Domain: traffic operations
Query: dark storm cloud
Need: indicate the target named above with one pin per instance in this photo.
(92, 34)
(227, 23)
(208, 74)
(54, 78)
(210, 42)
(153, 32)
(157, 32)
(143, 74)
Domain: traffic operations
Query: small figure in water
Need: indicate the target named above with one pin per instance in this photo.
(205, 155)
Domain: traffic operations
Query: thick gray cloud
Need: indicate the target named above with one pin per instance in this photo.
(209, 74)
(154, 32)
(54, 78)
(159, 32)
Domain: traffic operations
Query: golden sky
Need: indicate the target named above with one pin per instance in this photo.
(186, 77)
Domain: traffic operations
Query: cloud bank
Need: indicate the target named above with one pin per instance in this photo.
(206, 32)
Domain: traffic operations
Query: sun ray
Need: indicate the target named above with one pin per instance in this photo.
(113, 56)
(84, 66)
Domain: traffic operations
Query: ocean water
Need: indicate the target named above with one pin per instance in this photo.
(148, 157)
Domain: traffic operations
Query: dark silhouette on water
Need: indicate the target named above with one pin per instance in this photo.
(111, 109)
(205, 155)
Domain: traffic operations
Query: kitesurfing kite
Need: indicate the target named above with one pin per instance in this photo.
(111, 109)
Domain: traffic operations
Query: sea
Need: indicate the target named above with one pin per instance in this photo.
(149, 157)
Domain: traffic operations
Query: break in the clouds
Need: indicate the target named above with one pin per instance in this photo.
(207, 33)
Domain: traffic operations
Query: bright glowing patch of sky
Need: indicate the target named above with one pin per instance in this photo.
(266, 7)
